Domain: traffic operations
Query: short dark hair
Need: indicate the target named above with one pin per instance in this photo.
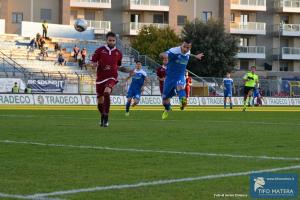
(253, 66)
(138, 61)
(188, 41)
(110, 34)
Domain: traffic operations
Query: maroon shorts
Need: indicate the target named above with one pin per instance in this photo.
(101, 87)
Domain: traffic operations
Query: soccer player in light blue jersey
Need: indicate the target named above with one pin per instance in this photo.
(228, 88)
(138, 80)
(175, 75)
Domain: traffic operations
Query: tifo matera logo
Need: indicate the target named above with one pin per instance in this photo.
(259, 182)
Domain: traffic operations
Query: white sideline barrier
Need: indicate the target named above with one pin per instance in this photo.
(62, 99)
(2, 26)
(30, 29)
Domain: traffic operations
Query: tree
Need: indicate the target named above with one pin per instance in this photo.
(151, 41)
(219, 48)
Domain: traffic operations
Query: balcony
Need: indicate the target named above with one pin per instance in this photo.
(290, 53)
(287, 29)
(100, 27)
(292, 6)
(252, 52)
(148, 5)
(90, 3)
(133, 28)
(252, 5)
(249, 28)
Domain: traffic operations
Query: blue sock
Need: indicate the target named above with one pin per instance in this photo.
(224, 104)
(181, 94)
(128, 106)
(167, 106)
(230, 105)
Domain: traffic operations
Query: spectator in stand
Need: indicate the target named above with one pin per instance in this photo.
(31, 44)
(81, 64)
(61, 59)
(76, 51)
(43, 48)
(15, 89)
(38, 40)
(57, 47)
(45, 29)
(27, 90)
(83, 55)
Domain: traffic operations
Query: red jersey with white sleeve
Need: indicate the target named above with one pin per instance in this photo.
(161, 72)
(108, 62)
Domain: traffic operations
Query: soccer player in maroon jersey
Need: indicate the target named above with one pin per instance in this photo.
(161, 74)
(108, 60)
(188, 84)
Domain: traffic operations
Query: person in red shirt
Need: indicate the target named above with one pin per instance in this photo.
(161, 74)
(108, 60)
(188, 84)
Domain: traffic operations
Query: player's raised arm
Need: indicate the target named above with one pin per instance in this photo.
(198, 56)
(125, 69)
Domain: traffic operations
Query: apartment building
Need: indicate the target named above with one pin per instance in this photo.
(267, 30)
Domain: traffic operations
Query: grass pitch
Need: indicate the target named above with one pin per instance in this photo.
(62, 153)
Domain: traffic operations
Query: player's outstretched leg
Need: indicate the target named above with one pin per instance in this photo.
(167, 105)
(128, 107)
(182, 98)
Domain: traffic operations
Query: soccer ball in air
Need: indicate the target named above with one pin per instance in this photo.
(80, 25)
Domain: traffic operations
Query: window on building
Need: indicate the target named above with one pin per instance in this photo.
(206, 15)
(284, 19)
(134, 16)
(244, 42)
(244, 64)
(17, 17)
(284, 66)
(46, 14)
(89, 15)
(158, 18)
(244, 18)
(232, 17)
(74, 14)
(181, 20)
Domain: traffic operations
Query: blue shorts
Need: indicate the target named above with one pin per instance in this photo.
(256, 94)
(227, 93)
(170, 86)
(133, 93)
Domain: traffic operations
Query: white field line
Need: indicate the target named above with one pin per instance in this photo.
(16, 196)
(151, 151)
(159, 182)
(156, 120)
